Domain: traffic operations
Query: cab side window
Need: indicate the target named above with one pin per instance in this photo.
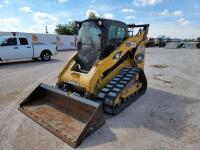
(120, 35)
(116, 35)
(10, 42)
(23, 41)
(112, 35)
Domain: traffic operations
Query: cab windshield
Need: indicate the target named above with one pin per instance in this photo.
(2, 39)
(89, 41)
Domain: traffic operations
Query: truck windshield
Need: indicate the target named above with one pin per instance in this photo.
(89, 40)
(2, 39)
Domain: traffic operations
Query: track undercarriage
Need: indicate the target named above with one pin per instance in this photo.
(122, 90)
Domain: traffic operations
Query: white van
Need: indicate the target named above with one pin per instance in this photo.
(17, 47)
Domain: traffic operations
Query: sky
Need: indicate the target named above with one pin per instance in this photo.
(174, 18)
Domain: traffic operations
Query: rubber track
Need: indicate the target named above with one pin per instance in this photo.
(110, 92)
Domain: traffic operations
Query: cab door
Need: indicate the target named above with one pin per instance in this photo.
(26, 49)
(9, 49)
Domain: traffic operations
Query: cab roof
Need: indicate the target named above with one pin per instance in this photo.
(106, 23)
(105, 20)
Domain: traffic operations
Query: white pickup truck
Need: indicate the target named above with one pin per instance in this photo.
(15, 47)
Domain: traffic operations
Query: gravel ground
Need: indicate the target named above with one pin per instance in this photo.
(167, 117)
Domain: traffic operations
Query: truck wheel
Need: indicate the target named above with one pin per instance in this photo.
(45, 56)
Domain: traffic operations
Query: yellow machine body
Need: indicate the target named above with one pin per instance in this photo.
(92, 81)
(74, 108)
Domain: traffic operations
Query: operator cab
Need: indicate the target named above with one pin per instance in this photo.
(97, 38)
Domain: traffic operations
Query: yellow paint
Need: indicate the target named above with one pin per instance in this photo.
(92, 81)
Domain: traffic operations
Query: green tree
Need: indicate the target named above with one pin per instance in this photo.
(70, 28)
(67, 29)
(92, 15)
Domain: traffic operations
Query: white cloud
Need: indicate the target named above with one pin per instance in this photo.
(62, 1)
(42, 20)
(167, 13)
(12, 21)
(6, 1)
(25, 9)
(9, 24)
(141, 22)
(108, 16)
(42, 17)
(164, 12)
(146, 2)
(183, 21)
(196, 6)
(173, 30)
(127, 10)
(177, 13)
(130, 17)
(70, 20)
(93, 1)
(93, 11)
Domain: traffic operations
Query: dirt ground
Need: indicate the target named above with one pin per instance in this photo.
(167, 117)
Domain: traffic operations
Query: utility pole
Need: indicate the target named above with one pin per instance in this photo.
(47, 30)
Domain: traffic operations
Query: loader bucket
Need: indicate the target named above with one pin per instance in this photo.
(70, 118)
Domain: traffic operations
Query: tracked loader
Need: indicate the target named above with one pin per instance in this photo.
(105, 75)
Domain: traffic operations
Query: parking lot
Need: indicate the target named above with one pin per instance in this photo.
(167, 117)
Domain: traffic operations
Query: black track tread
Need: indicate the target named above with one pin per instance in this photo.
(109, 107)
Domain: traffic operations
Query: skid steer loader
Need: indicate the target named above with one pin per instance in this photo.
(105, 75)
